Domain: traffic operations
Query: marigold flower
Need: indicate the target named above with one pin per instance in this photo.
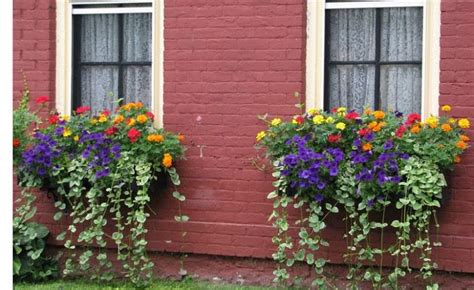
(275, 122)
(464, 123)
(131, 122)
(378, 114)
(41, 100)
(372, 125)
(155, 138)
(367, 147)
(181, 138)
(67, 132)
(415, 129)
(142, 119)
(139, 105)
(446, 128)
(457, 159)
(461, 144)
(465, 138)
(167, 160)
(341, 109)
(378, 127)
(341, 126)
(334, 138)
(76, 138)
(446, 108)
(260, 135)
(93, 121)
(318, 119)
(64, 117)
(367, 111)
(432, 122)
(53, 119)
(102, 118)
(129, 106)
(83, 109)
(329, 120)
(312, 111)
(133, 135)
(118, 119)
(452, 121)
(16, 143)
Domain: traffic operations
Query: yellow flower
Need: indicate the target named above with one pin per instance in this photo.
(67, 132)
(341, 126)
(432, 121)
(446, 108)
(446, 127)
(129, 106)
(93, 121)
(65, 117)
(329, 120)
(464, 123)
(318, 119)
(118, 119)
(261, 135)
(102, 118)
(167, 160)
(142, 119)
(275, 122)
(341, 109)
(452, 121)
(378, 114)
(131, 122)
(312, 111)
(155, 138)
(76, 138)
(367, 111)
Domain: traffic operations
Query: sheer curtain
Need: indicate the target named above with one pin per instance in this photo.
(101, 80)
(352, 58)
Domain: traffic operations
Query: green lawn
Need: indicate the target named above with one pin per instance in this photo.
(81, 284)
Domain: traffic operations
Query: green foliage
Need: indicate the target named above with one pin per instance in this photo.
(30, 262)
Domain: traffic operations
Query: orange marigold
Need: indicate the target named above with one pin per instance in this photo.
(415, 129)
(139, 105)
(181, 138)
(142, 119)
(118, 119)
(155, 138)
(167, 160)
(457, 159)
(446, 127)
(131, 122)
(372, 125)
(465, 138)
(378, 114)
(461, 145)
(367, 147)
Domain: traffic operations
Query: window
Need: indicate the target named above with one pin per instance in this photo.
(373, 54)
(108, 50)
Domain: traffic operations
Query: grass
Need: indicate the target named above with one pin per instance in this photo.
(160, 284)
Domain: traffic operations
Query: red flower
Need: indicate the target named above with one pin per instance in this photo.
(412, 118)
(364, 131)
(299, 119)
(16, 142)
(53, 119)
(112, 130)
(150, 115)
(83, 109)
(334, 138)
(400, 131)
(334, 110)
(41, 99)
(133, 135)
(106, 113)
(351, 116)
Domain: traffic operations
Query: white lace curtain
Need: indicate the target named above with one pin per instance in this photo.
(353, 39)
(100, 44)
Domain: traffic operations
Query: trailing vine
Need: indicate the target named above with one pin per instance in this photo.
(372, 166)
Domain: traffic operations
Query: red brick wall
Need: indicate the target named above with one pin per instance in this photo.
(227, 61)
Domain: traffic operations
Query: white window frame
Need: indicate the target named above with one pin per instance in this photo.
(315, 32)
(64, 44)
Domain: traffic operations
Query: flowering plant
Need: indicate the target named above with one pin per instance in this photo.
(362, 163)
(101, 169)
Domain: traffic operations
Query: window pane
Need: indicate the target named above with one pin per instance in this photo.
(400, 88)
(99, 38)
(351, 86)
(137, 80)
(99, 87)
(402, 34)
(137, 37)
(352, 34)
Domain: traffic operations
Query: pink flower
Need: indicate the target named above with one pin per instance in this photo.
(150, 115)
(83, 109)
(400, 131)
(41, 99)
(133, 135)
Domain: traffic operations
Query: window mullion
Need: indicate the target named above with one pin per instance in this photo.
(77, 69)
(378, 40)
(120, 59)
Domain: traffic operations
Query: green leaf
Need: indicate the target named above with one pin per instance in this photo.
(179, 196)
(57, 216)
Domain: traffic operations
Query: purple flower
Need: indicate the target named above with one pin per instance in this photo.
(304, 174)
(370, 202)
(388, 145)
(319, 197)
(398, 114)
(333, 170)
(290, 160)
